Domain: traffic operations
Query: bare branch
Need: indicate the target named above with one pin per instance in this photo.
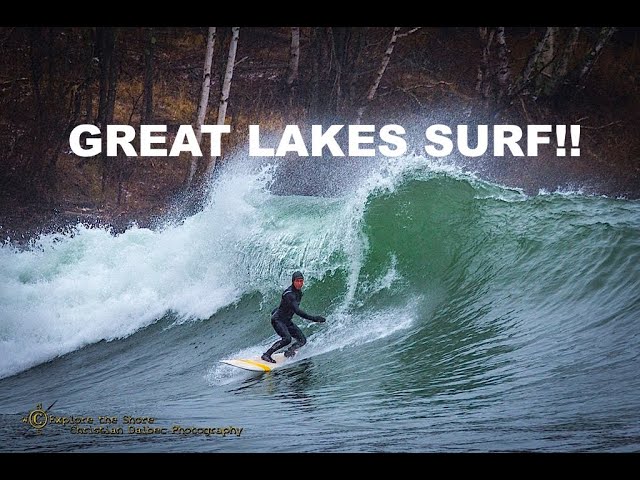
(413, 30)
(586, 127)
(242, 60)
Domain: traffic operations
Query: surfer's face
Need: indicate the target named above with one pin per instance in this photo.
(298, 282)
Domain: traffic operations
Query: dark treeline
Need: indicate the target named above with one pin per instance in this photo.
(54, 78)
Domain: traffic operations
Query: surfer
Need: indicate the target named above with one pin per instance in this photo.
(282, 323)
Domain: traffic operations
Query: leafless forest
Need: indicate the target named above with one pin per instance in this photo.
(54, 78)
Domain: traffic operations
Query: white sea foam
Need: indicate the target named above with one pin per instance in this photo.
(70, 290)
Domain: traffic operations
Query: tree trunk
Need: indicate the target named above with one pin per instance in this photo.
(147, 115)
(104, 59)
(546, 57)
(484, 80)
(294, 58)
(562, 68)
(483, 66)
(90, 76)
(348, 43)
(545, 79)
(315, 72)
(113, 78)
(592, 56)
(88, 109)
(226, 86)
(32, 165)
(340, 41)
(228, 75)
(336, 83)
(36, 69)
(108, 81)
(204, 98)
(51, 62)
(324, 73)
(504, 72)
(75, 105)
(383, 66)
(533, 67)
(555, 85)
(352, 80)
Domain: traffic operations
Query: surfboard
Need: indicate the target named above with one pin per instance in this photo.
(256, 364)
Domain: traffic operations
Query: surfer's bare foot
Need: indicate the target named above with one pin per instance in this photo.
(267, 358)
(290, 353)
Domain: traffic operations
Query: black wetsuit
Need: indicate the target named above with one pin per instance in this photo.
(282, 323)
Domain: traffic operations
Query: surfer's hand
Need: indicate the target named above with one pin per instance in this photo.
(319, 319)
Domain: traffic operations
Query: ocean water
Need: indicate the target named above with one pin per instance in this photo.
(462, 316)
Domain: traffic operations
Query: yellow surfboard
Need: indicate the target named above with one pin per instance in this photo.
(256, 364)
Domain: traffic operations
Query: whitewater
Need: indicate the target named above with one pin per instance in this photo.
(462, 315)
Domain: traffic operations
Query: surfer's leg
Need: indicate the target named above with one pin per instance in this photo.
(296, 333)
(282, 330)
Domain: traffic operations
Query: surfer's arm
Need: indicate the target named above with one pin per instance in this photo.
(295, 306)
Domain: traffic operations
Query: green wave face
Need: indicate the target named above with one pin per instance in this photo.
(461, 315)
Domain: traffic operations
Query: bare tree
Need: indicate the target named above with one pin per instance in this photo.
(395, 35)
(559, 76)
(204, 98)
(294, 60)
(346, 47)
(91, 69)
(104, 57)
(226, 86)
(592, 56)
(483, 83)
(383, 66)
(58, 92)
(339, 38)
(35, 54)
(546, 77)
(356, 52)
(150, 41)
(548, 55)
(548, 71)
(562, 68)
(334, 53)
(535, 64)
(228, 75)
(113, 81)
(504, 72)
(322, 68)
(106, 39)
